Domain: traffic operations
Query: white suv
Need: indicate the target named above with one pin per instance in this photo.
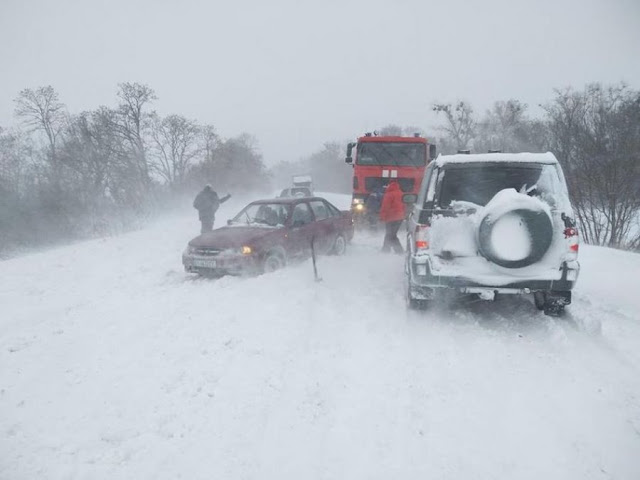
(493, 223)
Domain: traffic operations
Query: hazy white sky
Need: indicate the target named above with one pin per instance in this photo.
(296, 74)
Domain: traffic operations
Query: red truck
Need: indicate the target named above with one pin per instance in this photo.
(380, 159)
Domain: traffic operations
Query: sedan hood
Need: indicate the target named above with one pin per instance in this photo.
(229, 237)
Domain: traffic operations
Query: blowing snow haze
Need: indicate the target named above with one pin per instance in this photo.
(298, 74)
(154, 328)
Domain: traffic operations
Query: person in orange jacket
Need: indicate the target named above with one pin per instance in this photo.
(392, 214)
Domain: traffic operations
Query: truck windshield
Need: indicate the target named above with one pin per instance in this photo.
(393, 153)
(479, 182)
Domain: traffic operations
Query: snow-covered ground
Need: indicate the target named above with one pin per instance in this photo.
(114, 364)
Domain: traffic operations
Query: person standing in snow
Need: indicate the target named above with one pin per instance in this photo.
(392, 214)
(372, 206)
(207, 203)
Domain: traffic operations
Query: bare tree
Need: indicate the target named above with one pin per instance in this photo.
(596, 135)
(210, 141)
(132, 123)
(15, 162)
(42, 110)
(178, 142)
(397, 130)
(91, 149)
(460, 126)
(391, 130)
(497, 130)
(233, 164)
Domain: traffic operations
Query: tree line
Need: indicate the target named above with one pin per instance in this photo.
(66, 175)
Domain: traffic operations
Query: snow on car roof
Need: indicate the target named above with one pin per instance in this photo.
(287, 199)
(548, 158)
(302, 178)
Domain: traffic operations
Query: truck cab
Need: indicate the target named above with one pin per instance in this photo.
(379, 160)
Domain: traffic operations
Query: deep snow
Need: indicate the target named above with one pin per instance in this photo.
(115, 364)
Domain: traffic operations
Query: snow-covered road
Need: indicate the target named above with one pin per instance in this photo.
(114, 364)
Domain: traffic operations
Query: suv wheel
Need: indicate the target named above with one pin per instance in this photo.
(553, 309)
(413, 303)
(538, 299)
(552, 302)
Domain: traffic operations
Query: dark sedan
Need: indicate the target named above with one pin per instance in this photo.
(266, 234)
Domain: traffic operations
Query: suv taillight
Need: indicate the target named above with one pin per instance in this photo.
(573, 242)
(421, 236)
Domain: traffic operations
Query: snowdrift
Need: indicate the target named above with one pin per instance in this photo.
(114, 364)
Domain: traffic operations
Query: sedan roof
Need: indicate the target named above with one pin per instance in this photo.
(289, 200)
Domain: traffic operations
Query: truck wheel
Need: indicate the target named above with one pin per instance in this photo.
(339, 245)
(272, 262)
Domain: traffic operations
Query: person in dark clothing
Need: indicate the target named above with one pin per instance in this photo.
(207, 203)
(392, 214)
(372, 206)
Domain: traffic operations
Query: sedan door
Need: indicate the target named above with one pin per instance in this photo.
(301, 230)
(342, 220)
(325, 228)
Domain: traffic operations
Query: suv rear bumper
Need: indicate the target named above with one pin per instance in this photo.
(422, 284)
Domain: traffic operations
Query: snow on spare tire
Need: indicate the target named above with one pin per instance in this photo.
(515, 230)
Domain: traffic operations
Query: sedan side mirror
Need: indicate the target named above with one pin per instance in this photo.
(409, 198)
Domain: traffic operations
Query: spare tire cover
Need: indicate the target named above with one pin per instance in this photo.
(515, 237)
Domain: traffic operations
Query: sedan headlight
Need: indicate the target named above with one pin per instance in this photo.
(246, 250)
(358, 207)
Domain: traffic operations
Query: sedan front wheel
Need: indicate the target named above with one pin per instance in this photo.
(339, 245)
(272, 262)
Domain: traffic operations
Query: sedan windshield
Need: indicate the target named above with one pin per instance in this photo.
(399, 154)
(266, 214)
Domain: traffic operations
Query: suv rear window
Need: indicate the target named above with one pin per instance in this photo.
(479, 182)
